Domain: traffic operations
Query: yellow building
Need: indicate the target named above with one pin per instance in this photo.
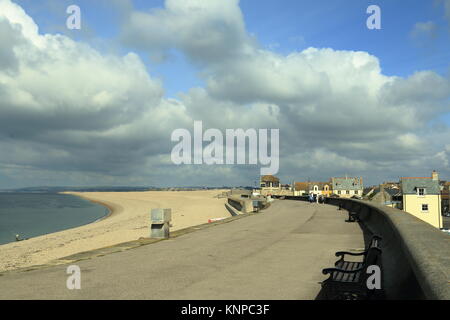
(320, 188)
(422, 198)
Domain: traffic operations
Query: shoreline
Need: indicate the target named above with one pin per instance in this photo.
(127, 220)
(111, 209)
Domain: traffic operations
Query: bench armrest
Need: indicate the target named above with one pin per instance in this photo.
(343, 253)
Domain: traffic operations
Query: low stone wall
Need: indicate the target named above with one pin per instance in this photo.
(416, 256)
(245, 204)
(234, 212)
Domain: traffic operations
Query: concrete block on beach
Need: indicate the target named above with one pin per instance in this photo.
(160, 223)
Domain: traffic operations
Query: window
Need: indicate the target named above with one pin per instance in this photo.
(424, 207)
(348, 191)
(339, 192)
(356, 192)
(421, 192)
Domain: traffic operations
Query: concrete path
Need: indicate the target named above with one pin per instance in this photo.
(277, 254)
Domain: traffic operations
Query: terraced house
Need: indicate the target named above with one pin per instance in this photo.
(317, 188)
(347, 187)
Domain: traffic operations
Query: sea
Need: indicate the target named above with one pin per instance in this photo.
(33, 214)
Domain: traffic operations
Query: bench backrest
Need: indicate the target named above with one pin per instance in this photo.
(375, 242)
(373, 257)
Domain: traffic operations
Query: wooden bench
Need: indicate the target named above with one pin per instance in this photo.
(348, 279)
(351, 265)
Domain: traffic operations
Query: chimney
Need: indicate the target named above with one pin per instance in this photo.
(435, 176)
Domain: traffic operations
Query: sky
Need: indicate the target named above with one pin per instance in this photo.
(97, 106)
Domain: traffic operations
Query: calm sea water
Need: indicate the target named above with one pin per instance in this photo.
(35, 214)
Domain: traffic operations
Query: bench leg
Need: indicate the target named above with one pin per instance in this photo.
(337, 292)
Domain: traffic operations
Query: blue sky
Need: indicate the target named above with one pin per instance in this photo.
(343, 27)
(281, 26)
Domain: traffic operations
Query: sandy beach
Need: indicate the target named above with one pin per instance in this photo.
(128, 220)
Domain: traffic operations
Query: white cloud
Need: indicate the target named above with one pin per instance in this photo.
(424, 33)
(446, 4)
(425, 28)
(65, 106)
(209, 31)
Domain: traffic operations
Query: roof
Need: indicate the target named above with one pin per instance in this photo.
(320, 185)
(415, 178)
(270, 179)
(301, 186)
(393, 192)
(347, 183)
(369, 190)
(308, 186)
(410, 185)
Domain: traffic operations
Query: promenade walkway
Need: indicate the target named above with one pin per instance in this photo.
(277, 254)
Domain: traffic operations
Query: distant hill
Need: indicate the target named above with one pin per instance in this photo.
(77, 189)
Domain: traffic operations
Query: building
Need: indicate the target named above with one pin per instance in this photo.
(270, 185)
(317, 188)
(347, 187)
(300, 188)
(386, 195)
(369, 191)
(422, 198)
(445, 196)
